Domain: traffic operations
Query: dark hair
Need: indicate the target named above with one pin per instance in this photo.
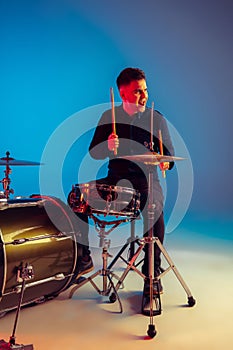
(129, 74)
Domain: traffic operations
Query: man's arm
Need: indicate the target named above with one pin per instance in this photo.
(98, 148)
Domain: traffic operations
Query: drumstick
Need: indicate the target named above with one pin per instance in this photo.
(113, 117)
(161, 149)
(151, 126)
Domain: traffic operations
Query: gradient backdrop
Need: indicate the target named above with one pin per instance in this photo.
(59, 57)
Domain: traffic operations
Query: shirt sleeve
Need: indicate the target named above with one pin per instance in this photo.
(98, 148)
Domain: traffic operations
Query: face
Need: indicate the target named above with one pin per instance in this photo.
(134, 96)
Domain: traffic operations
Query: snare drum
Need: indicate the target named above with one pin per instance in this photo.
(104, 199)
(35, 231)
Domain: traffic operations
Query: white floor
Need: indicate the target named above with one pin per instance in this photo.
(89, 321)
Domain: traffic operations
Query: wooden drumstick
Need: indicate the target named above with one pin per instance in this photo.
(161, 149)
(152, 127)
(113, 117)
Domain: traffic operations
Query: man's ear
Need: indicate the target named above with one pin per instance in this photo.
(122, 94)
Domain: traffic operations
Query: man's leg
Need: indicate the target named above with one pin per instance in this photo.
(81, 230)
(158, 231)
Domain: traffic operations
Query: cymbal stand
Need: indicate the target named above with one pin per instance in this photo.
(107, 274)
(151, 240)
(24, 273)
(6, 180)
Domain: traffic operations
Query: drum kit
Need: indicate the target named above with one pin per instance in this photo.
(30, 242)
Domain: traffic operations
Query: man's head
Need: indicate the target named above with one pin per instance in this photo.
(132, 87)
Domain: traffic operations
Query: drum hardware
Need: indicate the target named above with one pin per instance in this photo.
(36, 238)
(7, 162)
(131, 242)
(24, 274)
(151, 159)
(100, 226)
(97, 198)
(58, 277)
(105, 272)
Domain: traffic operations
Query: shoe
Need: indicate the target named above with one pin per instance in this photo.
(85, 265)
(157, 287)
(152, 306)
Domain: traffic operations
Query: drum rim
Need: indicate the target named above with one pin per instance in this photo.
(2, 266)
(112, 187)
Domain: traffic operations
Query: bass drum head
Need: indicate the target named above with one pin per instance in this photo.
(37, 232)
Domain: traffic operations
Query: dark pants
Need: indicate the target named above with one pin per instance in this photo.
(80, 223)
(140, 184)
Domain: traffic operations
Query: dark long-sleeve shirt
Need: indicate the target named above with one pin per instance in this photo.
(134, 133)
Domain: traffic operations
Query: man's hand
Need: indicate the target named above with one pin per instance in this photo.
(113, 142)
(164, 166)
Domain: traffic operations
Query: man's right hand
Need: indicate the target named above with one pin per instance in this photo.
(113, 142)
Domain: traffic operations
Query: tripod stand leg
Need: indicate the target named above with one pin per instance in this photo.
(106, 276)
(118, 256)
(131, 242)
(114, 296)
(191, 300)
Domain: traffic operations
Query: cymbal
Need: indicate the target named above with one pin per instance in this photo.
(11, 161)
(151, 158)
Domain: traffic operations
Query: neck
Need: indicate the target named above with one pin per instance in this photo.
(129, 109)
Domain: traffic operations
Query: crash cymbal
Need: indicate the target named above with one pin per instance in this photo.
(12, 161)
(152, 158)
(17, 162)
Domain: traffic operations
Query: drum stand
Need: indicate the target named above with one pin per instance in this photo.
(6, 180)
(105, 272)
(149, 299)
(7, 161)
(24, 273)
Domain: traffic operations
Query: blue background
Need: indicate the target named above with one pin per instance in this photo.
(59, 57)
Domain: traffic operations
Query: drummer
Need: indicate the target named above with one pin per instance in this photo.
(134, 129)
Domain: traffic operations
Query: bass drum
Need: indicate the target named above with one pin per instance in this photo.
(35, 232)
